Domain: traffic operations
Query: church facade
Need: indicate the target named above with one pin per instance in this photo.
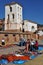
(13, 16)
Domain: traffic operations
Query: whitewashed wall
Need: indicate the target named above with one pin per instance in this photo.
(40, 32)
(17, 11)
(28, 26)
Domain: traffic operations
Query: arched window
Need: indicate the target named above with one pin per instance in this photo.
(13, 16)
(10, 9)
(23, 30)
(32, 29)
(8, 16)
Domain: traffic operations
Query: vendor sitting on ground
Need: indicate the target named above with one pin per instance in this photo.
(27, 46)
(22, 42)
(32, 45)
(36, 45)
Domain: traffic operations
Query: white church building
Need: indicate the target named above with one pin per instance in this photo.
(13, 16)
(14, 19)
(30, 26)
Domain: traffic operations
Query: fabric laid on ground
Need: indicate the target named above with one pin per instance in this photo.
(33, 56)
(40, 48)
(18, 55)
(3, 61)
(22, 58)
(19, 62)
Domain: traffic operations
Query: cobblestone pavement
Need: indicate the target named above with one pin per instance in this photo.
(10, 50)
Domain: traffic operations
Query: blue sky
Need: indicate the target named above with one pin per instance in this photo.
(32, 9)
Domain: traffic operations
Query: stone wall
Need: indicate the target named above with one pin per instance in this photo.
(41, 37)
(11, 38)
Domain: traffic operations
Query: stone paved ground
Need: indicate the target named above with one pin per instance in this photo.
(37, 61)
(10, 50)
(10, 64)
